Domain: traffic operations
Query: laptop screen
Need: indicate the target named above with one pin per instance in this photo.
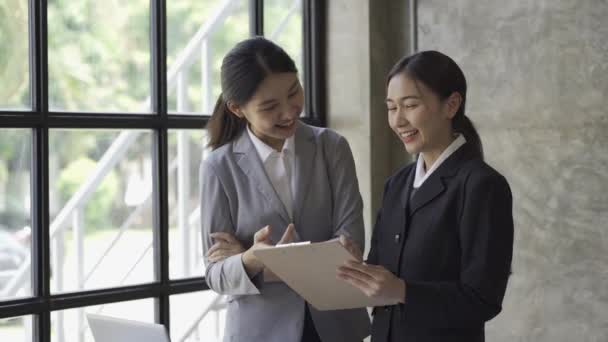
(109, 329)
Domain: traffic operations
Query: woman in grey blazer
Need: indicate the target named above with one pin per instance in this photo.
(273, 179)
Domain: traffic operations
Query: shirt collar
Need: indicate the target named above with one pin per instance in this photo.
(422, 174)
(265, 151)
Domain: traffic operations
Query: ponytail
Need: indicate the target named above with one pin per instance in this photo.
(223, 126)
(463, 125)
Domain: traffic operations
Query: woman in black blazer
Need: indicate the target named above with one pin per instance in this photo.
(442, 244)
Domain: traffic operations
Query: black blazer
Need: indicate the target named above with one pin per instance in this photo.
(452, 243)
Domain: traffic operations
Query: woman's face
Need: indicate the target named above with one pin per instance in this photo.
(418, 116)
(274, 109)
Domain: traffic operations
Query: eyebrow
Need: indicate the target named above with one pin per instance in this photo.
(269, 101)
(404, 98)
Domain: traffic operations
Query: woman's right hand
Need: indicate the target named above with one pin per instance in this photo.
(261, 240)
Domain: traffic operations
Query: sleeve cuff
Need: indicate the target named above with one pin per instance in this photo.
(241, 283)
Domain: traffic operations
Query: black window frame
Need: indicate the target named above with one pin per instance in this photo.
(40, 119)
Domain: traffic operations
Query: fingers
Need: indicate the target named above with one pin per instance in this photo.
(227, 249)
(236, 245)
(355, 274)
(227, 252)
(262, 234)
(221, 254)
(227, 237)
(361, 285)
(215, 258)
(288, 235)
(375, 272)
(216, 246)
(370, 286)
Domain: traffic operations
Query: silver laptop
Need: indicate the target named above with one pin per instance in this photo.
(108, 329)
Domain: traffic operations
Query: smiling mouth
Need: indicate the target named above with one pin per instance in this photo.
(287, 124)
(408, 134)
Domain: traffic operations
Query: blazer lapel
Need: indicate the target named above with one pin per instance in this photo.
(251, 164)
(304, 162)
(431, 188)
(405, 195)
(435, 185)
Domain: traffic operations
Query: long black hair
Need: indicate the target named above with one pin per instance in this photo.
(243, 69)
(444, 77)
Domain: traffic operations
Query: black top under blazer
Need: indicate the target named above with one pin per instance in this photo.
(452, 244)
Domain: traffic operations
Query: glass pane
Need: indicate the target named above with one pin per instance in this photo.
(100, 208)
(14, 60)
(72, 326)
(17, 329)
(283, 25)
(186, 151)
(15, 213)
(198, 317)
(99, 55)
(199, 34)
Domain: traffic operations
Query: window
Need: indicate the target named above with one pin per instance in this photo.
(14, 63)
(102, 115)
(15, 213)
(101, 208)
(71, 324)
(16, 329)
(195, 51)
(99, 62)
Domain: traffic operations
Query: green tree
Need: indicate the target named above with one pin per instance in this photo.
(99, 55)
(14, 62)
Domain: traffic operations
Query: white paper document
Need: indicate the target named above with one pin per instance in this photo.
(310, 269)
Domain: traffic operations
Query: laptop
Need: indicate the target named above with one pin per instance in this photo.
(109, 329)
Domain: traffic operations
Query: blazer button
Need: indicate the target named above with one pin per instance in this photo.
(397, 238)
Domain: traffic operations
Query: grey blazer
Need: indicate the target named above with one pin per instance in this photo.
(237, 197)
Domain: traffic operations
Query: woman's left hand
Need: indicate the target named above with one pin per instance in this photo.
(375, 281)
(226, 245)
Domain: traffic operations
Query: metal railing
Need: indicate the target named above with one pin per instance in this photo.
(197, 48)
(121, 145)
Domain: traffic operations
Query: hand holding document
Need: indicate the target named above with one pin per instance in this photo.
(261, 240)
(310, 270)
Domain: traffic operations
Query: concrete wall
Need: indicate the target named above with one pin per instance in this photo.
(537, 73)
(538, 80)
(362, 45)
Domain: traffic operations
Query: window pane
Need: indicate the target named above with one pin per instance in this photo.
(100, 208)
(14, 60)
(17, 329)
(199, 34)
(283, 25)
(72, 326)
(15, 213)
(198, 317)
(99, 55)
(186, 151)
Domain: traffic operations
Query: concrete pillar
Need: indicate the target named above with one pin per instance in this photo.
(365, 38)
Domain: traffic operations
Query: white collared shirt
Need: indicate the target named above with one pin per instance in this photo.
(279, 167)
(422, 175)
